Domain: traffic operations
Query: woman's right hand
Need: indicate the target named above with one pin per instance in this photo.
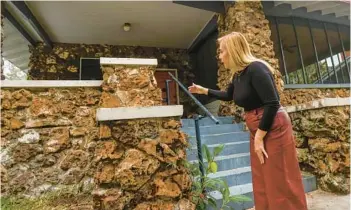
(197, 89)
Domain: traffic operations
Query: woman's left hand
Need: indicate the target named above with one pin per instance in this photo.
(259, 148)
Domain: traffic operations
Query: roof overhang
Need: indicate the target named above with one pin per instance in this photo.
(327, 11)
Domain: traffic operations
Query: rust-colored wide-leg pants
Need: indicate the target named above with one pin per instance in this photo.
(277, 184)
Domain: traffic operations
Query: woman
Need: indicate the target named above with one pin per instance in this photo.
(276, 176)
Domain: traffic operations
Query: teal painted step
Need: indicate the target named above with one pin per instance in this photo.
(206, 121)
(309, 183)
(222, 138)
(229, 162)
(214, 129)
(229, 149)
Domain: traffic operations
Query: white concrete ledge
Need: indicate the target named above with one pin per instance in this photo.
(49, 83)
(321, 103)
(128, 61)
(125, 113)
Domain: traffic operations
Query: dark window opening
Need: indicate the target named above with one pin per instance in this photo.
(90, 69)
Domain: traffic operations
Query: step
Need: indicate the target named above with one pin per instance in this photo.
(229, 149)
(235, 177)
(230, 162)
(214, 129)
(206, 121)
(309, 183)
(222, 138)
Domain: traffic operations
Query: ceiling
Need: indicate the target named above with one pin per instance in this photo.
(153, 24)
(339, 8)
(15, 46)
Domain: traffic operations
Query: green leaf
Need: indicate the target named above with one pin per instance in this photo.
(201, 205)
(226, 194)
(218, 150)
(212, 202)
(239, 198)
(207, 152)
(213, 167)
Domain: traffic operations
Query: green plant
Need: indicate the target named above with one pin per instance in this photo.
(202, 183)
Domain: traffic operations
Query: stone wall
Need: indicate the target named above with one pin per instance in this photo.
(48, 138)
(139, 160)
(2, 76)
(51, 140)
(299, 96)
(323, 145)
(63, 61)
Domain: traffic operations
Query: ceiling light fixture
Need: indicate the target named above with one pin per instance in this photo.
(126, 27)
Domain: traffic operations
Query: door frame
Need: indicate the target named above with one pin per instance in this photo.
(176, 76)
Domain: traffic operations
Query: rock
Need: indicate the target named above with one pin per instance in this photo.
(16, 124)
(183, 180)
(156, 205)
(112, 199)
(168, 136)
(108, 149)
(166, 188)
(22, 182)
(84, 121)
(48, 122)
(37, 191)
(335, 183)
(324, 145)
(106, 175)
(49, 160)
(59, 139)
(23, 152)
(109, 101)
(135, 169)
(76, 132)
(30, 137)
(41, 107)
(148, 146)
(171, 124)
(185, 204)
(75, 158)
(72, 176)
(300, 141)
(302, 154)
(87, 185)
(4, 179)
(67, 107)
(105, 131)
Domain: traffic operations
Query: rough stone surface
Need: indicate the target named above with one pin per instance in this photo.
(324, 149)
(62, 62)
(136, 158)
(300, 96)
(43, 141)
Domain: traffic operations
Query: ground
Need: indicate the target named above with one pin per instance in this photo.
(321, 200)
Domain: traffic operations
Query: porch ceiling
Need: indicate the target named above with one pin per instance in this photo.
(154, 24)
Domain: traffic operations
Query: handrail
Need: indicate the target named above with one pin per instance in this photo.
(215, 120)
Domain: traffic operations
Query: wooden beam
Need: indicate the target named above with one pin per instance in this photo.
(18, 26)
(22, 6)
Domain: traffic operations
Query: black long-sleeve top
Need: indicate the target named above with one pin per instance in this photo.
(253, 88)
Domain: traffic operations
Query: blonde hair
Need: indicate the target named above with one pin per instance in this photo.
(239, 52)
